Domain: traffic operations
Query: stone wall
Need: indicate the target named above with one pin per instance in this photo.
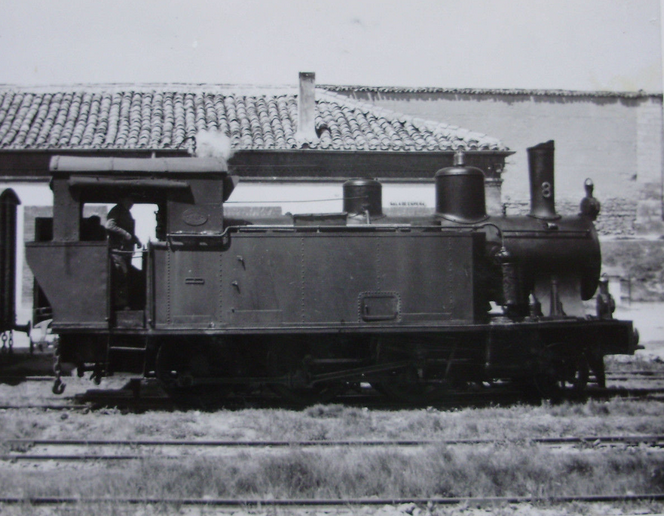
(616, 218)
(639, 264)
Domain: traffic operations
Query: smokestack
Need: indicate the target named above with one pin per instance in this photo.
(542, 194)
(306, 107)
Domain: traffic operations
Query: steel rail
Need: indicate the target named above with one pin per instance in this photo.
(622, 391)
(548, 441)
(45, 407)
(374, 400)
(341, 442)
(659, 374)
(609, 374)
(625, 377)
(129, 401)
(314, 502)
(22, 378)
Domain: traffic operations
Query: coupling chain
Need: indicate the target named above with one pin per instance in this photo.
(7, 339)
(58, 385)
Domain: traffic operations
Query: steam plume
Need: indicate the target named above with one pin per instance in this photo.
(213, 144)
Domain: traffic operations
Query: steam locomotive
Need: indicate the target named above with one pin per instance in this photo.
(311, 304)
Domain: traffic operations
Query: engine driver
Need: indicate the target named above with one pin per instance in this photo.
(120, 227)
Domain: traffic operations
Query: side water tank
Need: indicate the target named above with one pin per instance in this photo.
(460, 195)
(8, 203)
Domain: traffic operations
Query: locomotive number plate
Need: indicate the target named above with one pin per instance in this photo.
(194, 217)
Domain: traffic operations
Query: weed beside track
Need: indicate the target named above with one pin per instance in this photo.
(512, 465)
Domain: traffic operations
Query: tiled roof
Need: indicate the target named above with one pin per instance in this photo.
(494, 92)
(170, 117)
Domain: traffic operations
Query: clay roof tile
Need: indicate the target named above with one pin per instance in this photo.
(171, 117)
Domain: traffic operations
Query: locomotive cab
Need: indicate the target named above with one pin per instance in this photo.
(189, 201)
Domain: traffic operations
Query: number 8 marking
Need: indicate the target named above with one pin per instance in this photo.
(547, 190)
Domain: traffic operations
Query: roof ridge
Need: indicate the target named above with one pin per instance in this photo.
(245, 90)
(265, 89)
(494, 91)
(380, 110)
(418, 122)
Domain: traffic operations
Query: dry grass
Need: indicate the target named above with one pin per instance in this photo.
(498, 470)
(511, 466)
(332, 422)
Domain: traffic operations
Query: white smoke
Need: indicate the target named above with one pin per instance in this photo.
(213, 144)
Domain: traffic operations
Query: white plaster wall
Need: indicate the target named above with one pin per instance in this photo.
(615, 141)
(325, 197)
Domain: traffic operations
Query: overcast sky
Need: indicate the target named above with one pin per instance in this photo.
(569, 44)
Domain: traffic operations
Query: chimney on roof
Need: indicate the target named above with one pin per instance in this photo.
(306, 107)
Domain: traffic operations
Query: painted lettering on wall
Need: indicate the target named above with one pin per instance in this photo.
(408, 203)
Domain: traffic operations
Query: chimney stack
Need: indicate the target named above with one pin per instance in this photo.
(306, 107)
(542, 198)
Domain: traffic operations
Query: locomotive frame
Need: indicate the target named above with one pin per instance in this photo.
(311, 303)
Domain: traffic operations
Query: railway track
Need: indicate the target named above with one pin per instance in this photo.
(365, 397)
(650, 373)
(24, 449)
(648, 376)
(29, 452)
(610, 375)
(349, 502)
(127, 399)
(326, 502)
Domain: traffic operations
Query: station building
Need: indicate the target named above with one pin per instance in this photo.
(293, 147)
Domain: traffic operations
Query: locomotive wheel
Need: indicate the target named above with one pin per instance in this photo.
(561, 379)
(575, 376)
(292, 360)
(407, 385)
(308, 396)
(178, 364)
